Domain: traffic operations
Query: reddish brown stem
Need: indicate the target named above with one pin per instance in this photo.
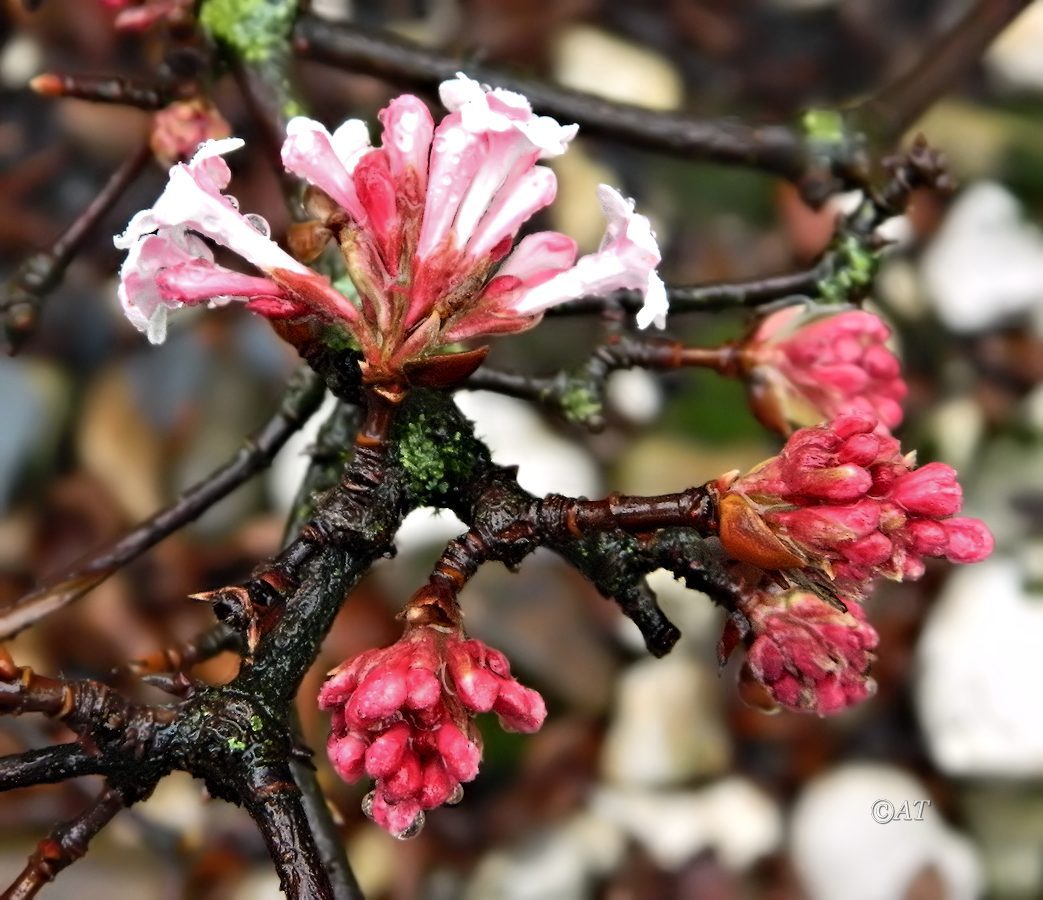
(101, 89)
(63, 846)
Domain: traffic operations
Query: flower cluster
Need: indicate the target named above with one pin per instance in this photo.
(403, 716)
(804, 365)
(139, 15)
(842, 498)
(426, 226)
(180, 127)
(809, 655)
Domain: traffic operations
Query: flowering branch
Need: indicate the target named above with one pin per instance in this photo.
(426, 225)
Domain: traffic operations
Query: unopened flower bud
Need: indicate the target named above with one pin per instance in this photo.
(841, 498)
(403, 716)
(803, 366)
(808, 655)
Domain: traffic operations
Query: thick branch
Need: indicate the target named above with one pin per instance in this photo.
(302, 398)
(274, 801)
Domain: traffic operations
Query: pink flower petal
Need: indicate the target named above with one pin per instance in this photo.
(327, 161)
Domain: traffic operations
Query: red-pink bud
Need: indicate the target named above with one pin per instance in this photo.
(459, 754)
(347, 755)
(803, 367)
(436, 787)
(381, 693)
(402, 716)
(385, 753)
(969, 540)
(423, 688)
(931, 490)
(520, 708)
(477, 687)
(400, 819)
(405, 780)
(809, 655)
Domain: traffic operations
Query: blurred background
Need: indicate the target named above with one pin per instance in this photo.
(650, 778)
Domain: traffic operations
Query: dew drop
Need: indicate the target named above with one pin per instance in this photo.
(259, 223)
(414, 829)
(367, 804)
(232, 201)
(456, 796)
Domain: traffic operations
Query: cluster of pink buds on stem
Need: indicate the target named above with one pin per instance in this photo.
(404, 715)
(180, 127)
(842, 499)
(425, 224)
(807, 654)
(139, 15)
(803, 366)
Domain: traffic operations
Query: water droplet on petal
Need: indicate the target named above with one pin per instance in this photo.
(414, 829)
(232, 200)
(259, 223)
(367, 804)
(456, 796)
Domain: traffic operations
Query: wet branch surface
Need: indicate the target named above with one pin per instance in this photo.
(239, 738)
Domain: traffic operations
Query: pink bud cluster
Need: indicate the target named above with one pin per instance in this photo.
(180, 127)
(803, 366)
(403, 716)
(842, 498)
(808, 654)
(135, 15)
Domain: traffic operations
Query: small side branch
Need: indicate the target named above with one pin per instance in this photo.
(328, 840)
(579, 394)
(63, 846)
(103, 89)
(180, 658)
(774, 149)
(41, 273)
(698, 298)
(48, 766)
(889, 112)
(303, 396)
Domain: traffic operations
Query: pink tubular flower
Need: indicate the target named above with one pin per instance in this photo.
(168, 265)
(426, 225)
(841, 498)
(809, 655)
(803, 366)
(428, 220)
(403, 716)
